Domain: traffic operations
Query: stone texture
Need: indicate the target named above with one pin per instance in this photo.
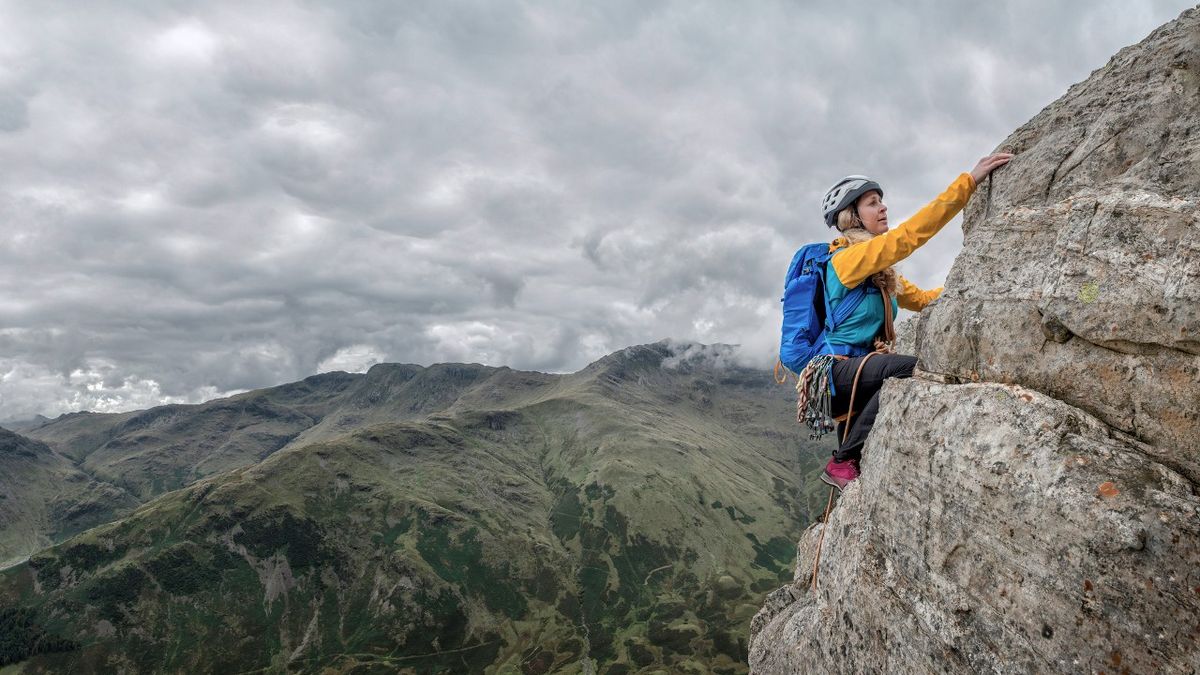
(1042, 541)
(906, 335)
(1030, 501)
(1080, 269)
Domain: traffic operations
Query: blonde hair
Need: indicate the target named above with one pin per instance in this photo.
(851, 227)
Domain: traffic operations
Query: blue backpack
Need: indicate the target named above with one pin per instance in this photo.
(806, 314)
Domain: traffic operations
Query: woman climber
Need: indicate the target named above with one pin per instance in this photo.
(858, 357)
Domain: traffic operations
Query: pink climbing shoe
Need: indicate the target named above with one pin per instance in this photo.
(839, 474)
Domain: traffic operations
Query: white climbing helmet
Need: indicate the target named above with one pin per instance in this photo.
(844, 193)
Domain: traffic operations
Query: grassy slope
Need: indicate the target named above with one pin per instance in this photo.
(146, 453)
(44, 498)
(627, 514)
(152, 451)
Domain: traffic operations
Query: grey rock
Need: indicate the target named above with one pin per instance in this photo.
(906, 336)
(1041, 541)
(1030, 500)
(1080, 269)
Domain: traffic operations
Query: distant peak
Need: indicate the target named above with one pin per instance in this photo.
(686, 355)
(672, 354)
(393, 369)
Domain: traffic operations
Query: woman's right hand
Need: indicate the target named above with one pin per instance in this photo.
(989, 164)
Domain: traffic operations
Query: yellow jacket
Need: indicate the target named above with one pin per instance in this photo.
(857, 262)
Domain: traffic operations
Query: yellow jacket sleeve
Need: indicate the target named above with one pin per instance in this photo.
(858, 261)
(913, 298)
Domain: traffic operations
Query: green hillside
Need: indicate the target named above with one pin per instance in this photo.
(625, 518)
(44, 498)
(152, 451)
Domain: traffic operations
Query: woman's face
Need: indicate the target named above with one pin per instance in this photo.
(872, 212)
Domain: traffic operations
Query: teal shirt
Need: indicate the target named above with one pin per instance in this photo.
(866, 322)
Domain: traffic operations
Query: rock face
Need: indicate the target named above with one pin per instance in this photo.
(1030, 500)
(1080, 270)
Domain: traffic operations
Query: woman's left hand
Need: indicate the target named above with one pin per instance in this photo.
(989, 164)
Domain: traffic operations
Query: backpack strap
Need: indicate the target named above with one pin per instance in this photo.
(781, 372)
(849, 303)
(835, 318)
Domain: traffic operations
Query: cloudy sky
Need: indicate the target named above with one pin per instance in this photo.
(201, 198)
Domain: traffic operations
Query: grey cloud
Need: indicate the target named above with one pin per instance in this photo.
(210, 197)
(14, 112)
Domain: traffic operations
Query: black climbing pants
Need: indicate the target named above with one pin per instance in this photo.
(866, 400)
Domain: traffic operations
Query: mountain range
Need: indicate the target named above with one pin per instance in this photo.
(453, 518)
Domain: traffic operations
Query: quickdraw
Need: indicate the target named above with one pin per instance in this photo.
(814, 405)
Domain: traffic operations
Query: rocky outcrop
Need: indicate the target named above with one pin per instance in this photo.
(1030, 500)
(1042, 542)
(1080, 269)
